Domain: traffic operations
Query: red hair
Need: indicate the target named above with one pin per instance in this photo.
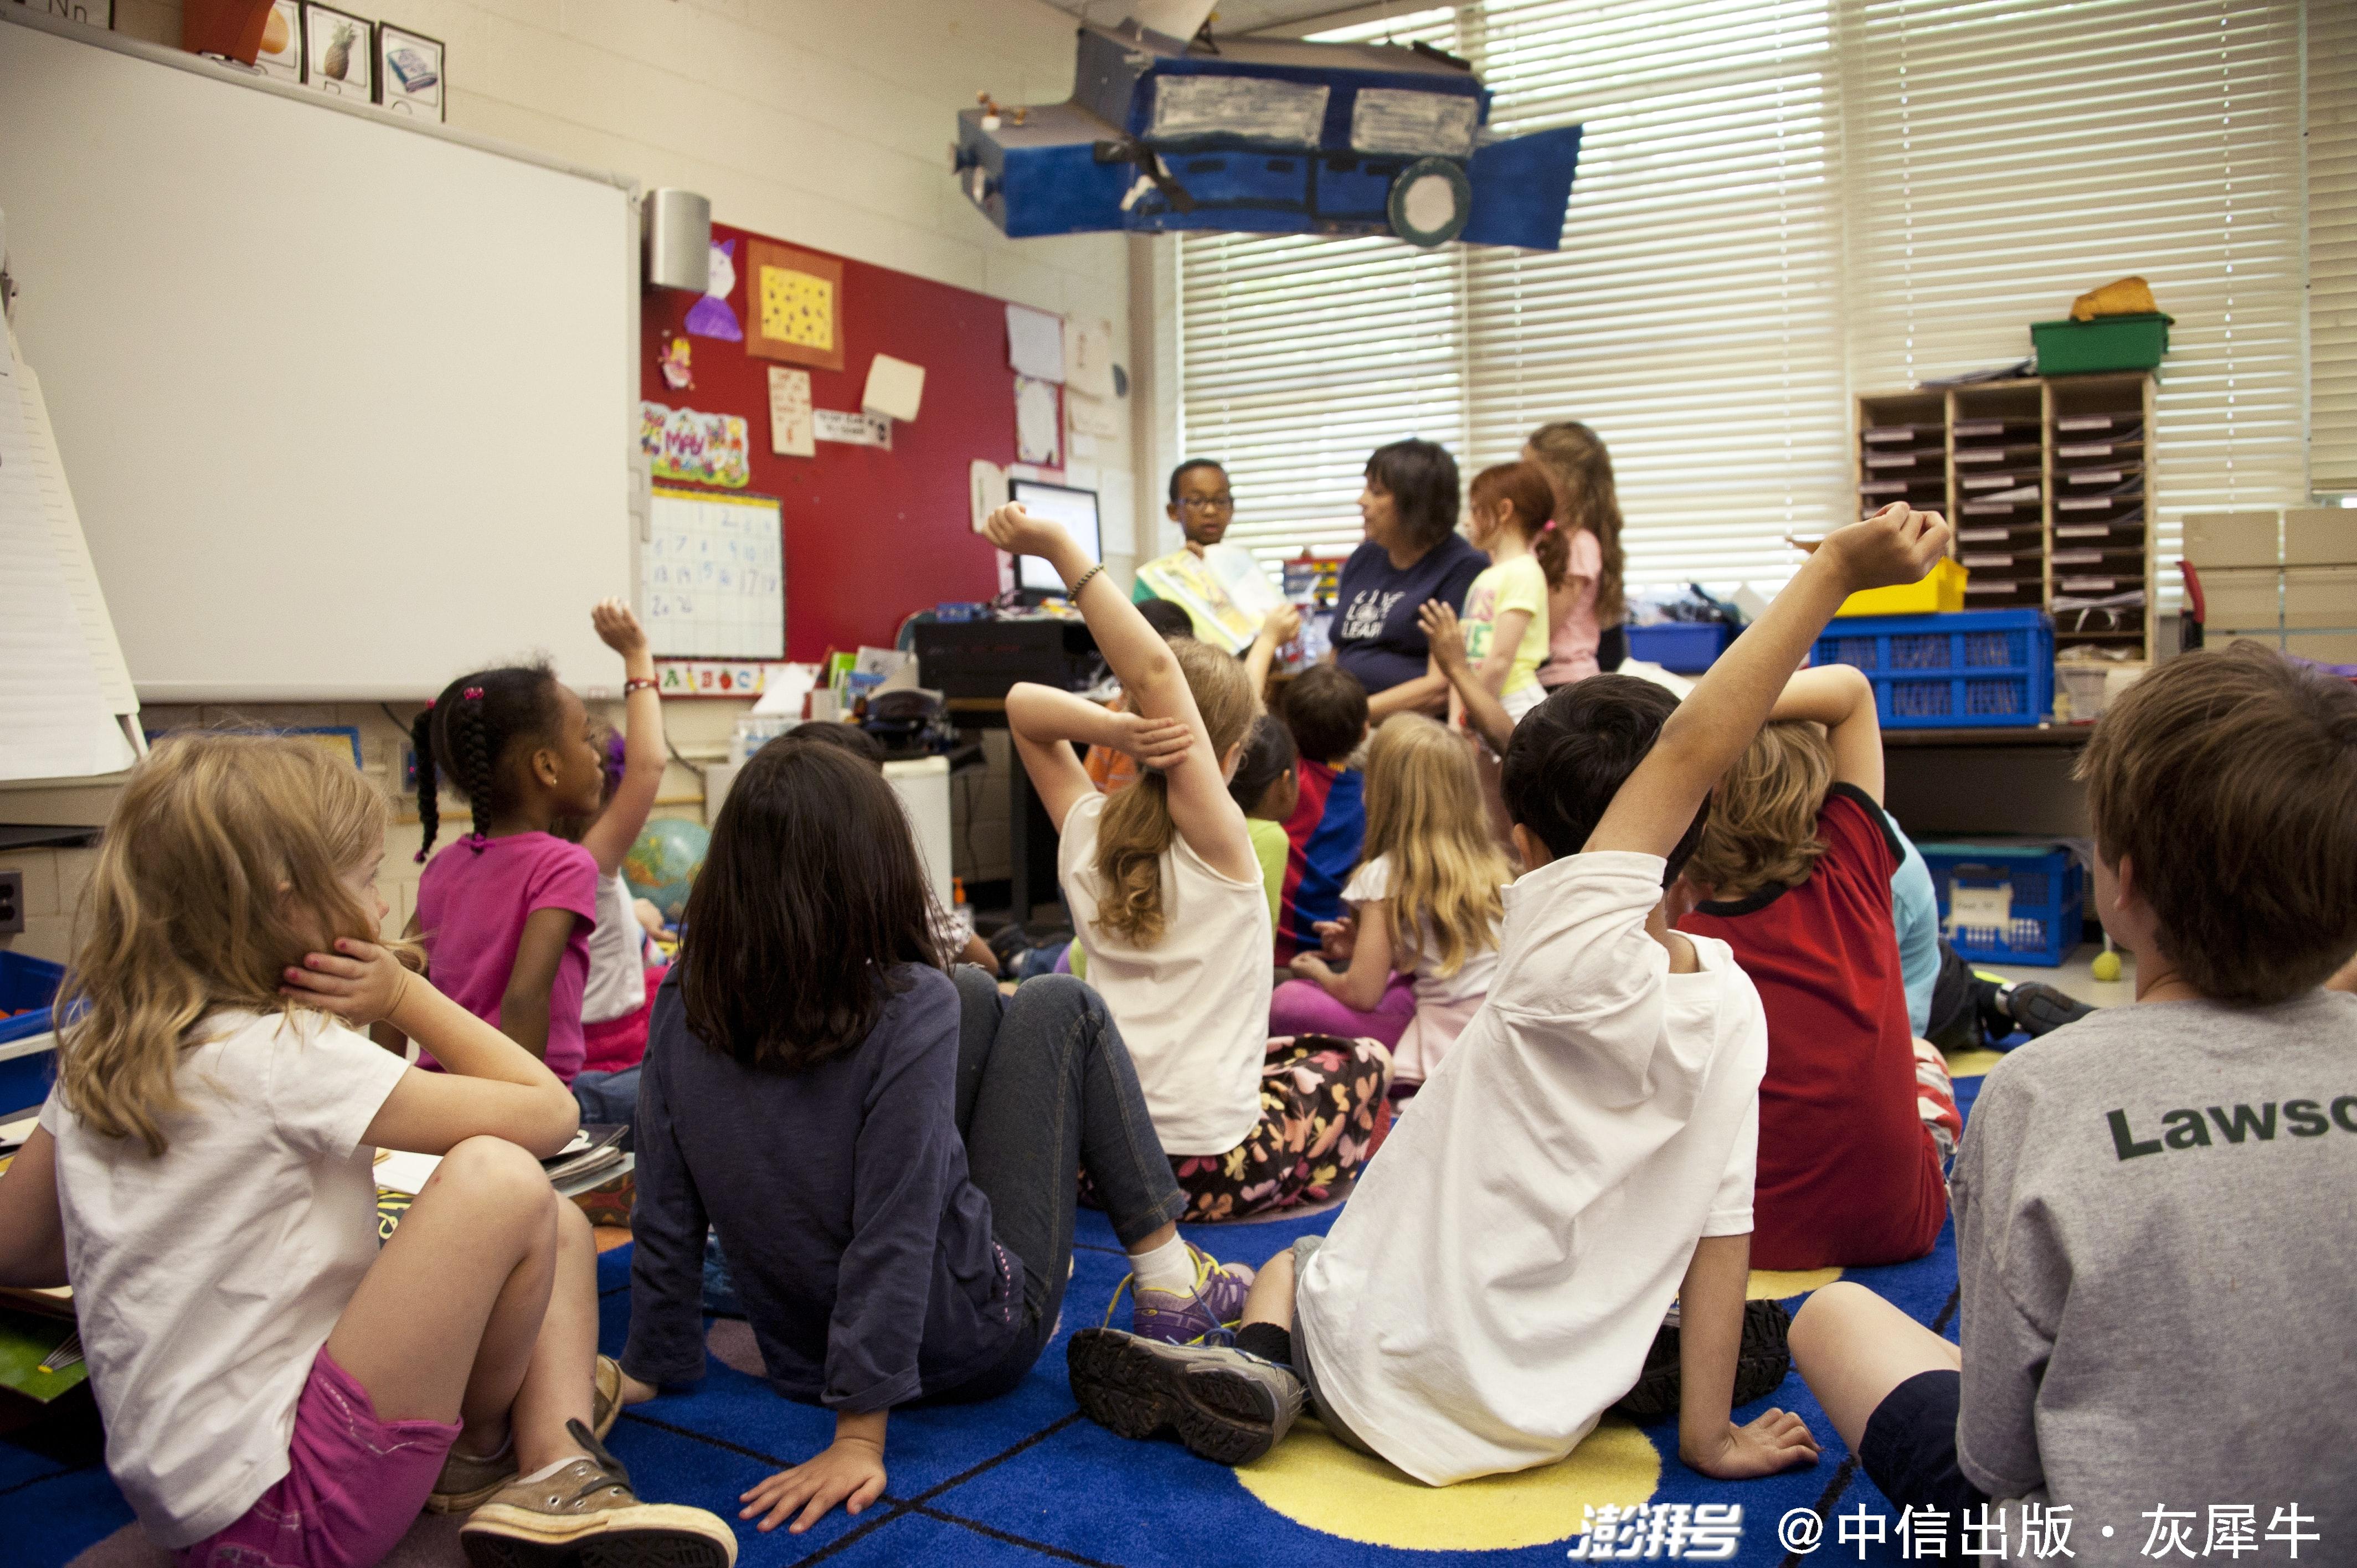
(1530, 501)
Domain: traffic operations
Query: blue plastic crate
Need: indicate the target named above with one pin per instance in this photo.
(24, 983)
(2022, 902)
(1961, 670)
(1683, 647)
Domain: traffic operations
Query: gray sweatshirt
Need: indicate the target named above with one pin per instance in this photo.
(2156, 1238)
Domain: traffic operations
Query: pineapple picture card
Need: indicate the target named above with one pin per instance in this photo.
(409, 73)
(338, 52)
(793, 306)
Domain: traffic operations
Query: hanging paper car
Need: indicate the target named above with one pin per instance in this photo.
(1274, 137)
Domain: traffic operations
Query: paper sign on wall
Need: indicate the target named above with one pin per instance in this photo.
(702, 449)
(789, 414)
(1037, 436)
(852, 429)
(1035, 343)
(1088, 356)
(895, 387)
(1092, 416)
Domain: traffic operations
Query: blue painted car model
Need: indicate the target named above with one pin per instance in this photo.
(1276, 137)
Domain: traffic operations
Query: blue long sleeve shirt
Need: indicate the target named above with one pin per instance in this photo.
(862, 1253)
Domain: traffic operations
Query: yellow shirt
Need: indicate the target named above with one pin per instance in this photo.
(1516, 585)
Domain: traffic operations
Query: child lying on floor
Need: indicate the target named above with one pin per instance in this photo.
(2153, 1263)
(1585, 1154)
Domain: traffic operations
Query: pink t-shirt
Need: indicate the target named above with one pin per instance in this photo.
(472, 903)
(1571, 652)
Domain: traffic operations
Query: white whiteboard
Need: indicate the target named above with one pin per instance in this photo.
(715, 577)
(348, 406)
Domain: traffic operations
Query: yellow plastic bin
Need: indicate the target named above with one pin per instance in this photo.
(1941, 591)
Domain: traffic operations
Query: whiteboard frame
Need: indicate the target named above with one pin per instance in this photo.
(636, 501)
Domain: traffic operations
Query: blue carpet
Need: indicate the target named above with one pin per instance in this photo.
(1025, 1480)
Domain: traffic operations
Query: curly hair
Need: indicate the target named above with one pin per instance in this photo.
(1580, 469)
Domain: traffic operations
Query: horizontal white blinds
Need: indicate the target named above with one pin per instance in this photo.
(2006, 156)
(1784, 202)
(2332, 245)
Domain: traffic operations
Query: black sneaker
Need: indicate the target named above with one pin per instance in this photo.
(2039, 1008)
(1759, 1365)
(1228, 1406)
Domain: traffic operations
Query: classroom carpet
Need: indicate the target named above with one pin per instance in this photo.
(1026, 1480)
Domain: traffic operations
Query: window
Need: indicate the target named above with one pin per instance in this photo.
(1784, 202)
(2332, 248)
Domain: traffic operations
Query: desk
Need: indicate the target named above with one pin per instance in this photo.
(1964, 783)
(1030, 836)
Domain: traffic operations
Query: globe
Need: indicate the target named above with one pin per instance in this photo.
(662, 864)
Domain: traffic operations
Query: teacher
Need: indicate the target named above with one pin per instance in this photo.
(1413, 553)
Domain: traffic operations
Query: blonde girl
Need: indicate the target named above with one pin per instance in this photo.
(1425, 903)
(277, 1388)
(1168, 901)
(1584, 603)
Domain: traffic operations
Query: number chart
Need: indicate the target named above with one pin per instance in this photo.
(715, 572)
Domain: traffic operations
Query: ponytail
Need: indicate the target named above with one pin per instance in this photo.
(466, 735)
(429, 785)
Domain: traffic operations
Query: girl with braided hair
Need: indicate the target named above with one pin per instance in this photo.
(505, 913)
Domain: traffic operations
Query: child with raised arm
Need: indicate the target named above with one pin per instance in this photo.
(1168, 896)
(2153, 1236)
(277, 1388)
(1856, 1116)
(1585, 1155)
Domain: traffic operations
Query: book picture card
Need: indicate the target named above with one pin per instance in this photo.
(895, 388)
(280, 54)
(791, 430)
(793, 306)
(409, 73)
(95, 13)
(338, 52)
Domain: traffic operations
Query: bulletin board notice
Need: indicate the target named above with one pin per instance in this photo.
(715, 572)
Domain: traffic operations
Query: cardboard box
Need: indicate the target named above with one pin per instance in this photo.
(2231, 539)
(2319, 536)
(2322, 596)
(2246, 598)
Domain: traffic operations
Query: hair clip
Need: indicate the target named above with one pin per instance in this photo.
(429, 704)
(1547, 527)
(473, 695)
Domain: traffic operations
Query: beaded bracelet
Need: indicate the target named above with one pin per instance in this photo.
(1074, 593)
(637, 683)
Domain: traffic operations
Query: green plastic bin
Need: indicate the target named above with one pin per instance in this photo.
(2106, 343)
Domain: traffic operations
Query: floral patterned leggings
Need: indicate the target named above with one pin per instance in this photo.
(1319, 1098)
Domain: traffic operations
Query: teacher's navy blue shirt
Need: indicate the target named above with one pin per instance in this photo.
(862, 1253)
(1376, 636)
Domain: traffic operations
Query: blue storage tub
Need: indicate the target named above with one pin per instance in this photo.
(1960, 669)
(2023, 902)
(27, 987)
(1683, 647)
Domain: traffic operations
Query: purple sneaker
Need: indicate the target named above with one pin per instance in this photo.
(1204, 1315)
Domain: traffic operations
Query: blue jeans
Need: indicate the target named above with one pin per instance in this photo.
(608, 1097)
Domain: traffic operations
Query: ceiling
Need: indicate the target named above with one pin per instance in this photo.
(1234, 16)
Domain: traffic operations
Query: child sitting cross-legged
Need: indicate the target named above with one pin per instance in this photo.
(2154, 1238)
(1425, 902)
(1168, 897)
(1585, 1154)
(278, 1389)
(1856, 1116)
(885, 1151)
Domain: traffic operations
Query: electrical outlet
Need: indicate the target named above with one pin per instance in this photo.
(11, 903)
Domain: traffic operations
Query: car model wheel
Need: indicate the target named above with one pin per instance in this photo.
(1429, 202)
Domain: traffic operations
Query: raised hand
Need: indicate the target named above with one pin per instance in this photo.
(1019, 533)
(1447, 637)
(1282, 625)
(618, 627)
(1895, 546)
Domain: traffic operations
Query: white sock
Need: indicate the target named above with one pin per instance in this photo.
(545, 1471)
(1167, 1267)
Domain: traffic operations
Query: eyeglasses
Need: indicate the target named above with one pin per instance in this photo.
(1209, 503)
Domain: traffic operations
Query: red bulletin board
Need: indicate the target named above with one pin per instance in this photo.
(871, 535)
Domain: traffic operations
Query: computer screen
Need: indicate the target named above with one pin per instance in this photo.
(1075, 509)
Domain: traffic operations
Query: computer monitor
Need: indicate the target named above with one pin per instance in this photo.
(1075, 509)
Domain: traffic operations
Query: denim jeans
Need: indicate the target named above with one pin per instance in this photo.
(608, 1096)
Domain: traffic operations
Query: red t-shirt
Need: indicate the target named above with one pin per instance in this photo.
(1848, 1174)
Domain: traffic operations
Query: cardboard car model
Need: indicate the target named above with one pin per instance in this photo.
(1274, 136)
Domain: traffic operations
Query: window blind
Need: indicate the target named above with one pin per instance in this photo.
(1300, 354)
(2007, 155)
(2332, 247)
(1780, 204)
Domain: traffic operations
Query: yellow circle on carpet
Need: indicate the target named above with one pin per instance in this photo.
(1972, 1063)
(1314, 1481)
(1776, 1285)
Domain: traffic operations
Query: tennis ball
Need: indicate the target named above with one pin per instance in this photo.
(2108, 966)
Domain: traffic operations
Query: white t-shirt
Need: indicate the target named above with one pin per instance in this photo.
(1497, 1277)
(1371, 882)
(617, 986)
(1193, 1008)
(207, 1280)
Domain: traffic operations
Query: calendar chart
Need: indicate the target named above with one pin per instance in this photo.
(715, 572)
